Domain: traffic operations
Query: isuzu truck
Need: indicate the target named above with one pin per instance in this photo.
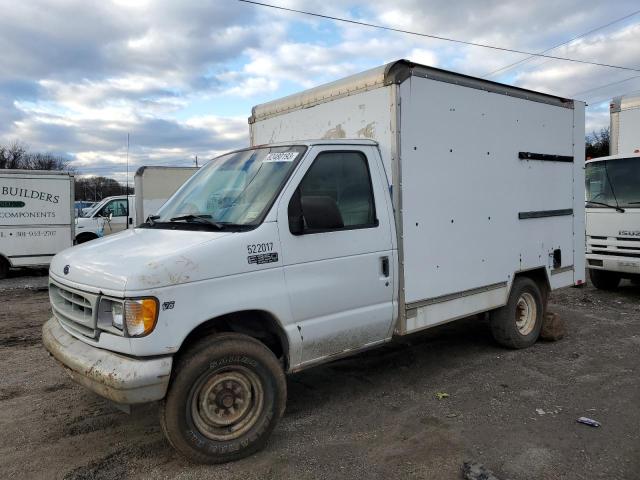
(365, 210)
(613, 200)
(613, 219)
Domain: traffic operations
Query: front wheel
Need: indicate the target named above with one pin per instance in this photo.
(604, 280)
(227, 394)
(518, 323)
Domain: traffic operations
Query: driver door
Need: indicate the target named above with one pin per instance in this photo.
(339, 279)
(117, 209)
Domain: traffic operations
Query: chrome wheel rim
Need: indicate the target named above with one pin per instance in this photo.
(526, 314)
(227, 403)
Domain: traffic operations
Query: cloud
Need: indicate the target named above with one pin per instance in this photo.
(180, 77)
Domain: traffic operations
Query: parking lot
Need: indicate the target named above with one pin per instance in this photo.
(376, 415)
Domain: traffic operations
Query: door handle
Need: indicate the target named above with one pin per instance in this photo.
(385, 266)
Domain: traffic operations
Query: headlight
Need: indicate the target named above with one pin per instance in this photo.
(117, 315)
(132, 317)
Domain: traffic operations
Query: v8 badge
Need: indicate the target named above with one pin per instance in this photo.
(168, 305)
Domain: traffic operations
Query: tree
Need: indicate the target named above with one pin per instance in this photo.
(16, 155)
(597, 144)
(97, 188)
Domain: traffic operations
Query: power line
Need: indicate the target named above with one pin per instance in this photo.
(506, 67)
(606, 99)
(437, 37)
(575, 95)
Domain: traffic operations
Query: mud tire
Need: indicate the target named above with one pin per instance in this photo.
(204, 362)
(503, 321)
(604, 280)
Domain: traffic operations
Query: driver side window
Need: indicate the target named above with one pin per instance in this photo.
(118, 208)
(337, 181)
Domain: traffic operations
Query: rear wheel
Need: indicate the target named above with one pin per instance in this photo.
(226, 396)
(518, 323)
(604, 280)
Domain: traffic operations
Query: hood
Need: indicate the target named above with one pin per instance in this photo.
(135, 259)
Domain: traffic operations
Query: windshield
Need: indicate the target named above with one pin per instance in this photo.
(234, 189)
(614, 182)
(92, 209)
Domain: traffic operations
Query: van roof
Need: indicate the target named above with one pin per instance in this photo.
(311, 142)
(392, 73)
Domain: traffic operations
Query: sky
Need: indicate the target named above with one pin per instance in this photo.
(180, 77)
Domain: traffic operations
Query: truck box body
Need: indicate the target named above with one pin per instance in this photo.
(36, 215)
(154, 185)
(487, 180)
(625, 125)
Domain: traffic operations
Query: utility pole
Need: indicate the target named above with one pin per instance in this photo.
(196, 161)
(127, 180)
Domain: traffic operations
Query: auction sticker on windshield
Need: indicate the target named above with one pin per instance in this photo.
(280, 157)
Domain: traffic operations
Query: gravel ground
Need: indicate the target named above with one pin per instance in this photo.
(372, 416)
(25, 279)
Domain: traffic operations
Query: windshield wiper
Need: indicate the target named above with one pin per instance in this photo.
(633, 203)
(204, 219)
(615, 207)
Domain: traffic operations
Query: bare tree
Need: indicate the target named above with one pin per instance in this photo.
(17, 155)
(97, 188)
(597, 144)
(13, 155)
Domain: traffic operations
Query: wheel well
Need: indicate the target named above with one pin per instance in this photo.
(258, 324)
(85, 237)
(538, 275)
(4, 262)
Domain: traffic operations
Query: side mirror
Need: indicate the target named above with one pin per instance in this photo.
(110, 215)
(308, 214)
(321, 213)
(296, 220)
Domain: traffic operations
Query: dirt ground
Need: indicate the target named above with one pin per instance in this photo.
(372, 416)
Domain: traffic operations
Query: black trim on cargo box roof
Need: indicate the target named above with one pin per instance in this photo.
(545, 213)
(545, 157)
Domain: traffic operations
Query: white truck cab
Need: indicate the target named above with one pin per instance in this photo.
(432, 196)
(613, 219)
(111, 215)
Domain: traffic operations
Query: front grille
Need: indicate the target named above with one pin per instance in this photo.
(616, 253)
(75, 309)
(613, 246)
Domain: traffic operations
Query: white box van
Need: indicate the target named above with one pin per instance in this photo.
(36, 217)
(110, 215)
(423, 196)
(624, 115)
(153, 186)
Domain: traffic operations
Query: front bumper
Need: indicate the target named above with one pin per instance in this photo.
(622, 264)
(122, 379)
